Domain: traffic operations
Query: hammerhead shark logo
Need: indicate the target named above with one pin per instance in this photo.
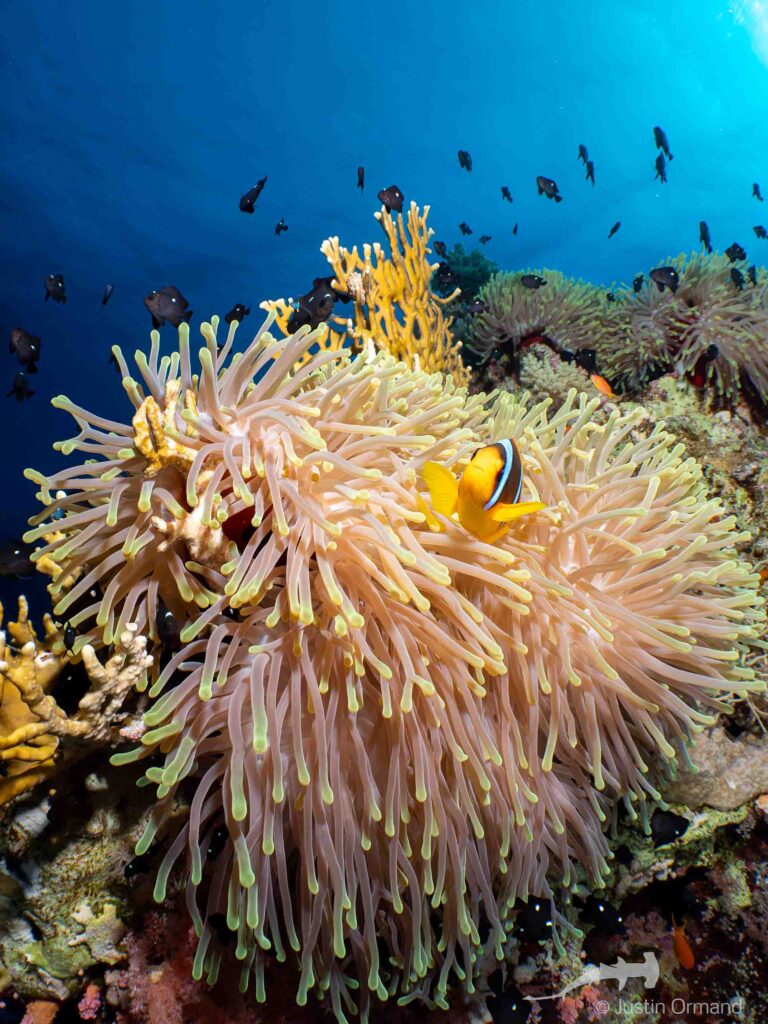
(621, 971)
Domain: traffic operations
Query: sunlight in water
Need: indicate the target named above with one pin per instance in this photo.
(753, 15)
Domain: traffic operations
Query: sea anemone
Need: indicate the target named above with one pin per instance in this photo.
(390, 732)
(708, 329)
(569, 312)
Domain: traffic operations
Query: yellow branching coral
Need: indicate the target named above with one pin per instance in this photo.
(32, 725)
(403, 731)
(392, 300)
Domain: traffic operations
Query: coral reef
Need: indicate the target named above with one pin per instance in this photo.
(63, 894)
(708, 329)
(469, 272)
(397, 732)
(32, 725)
(572, 313)
(393, 302)
(396, 302)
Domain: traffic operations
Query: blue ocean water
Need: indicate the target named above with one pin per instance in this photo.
(130, 131)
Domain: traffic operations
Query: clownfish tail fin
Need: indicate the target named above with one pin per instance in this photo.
(443, 488)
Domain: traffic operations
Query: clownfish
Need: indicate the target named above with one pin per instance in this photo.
(487, 496)
(683, 950)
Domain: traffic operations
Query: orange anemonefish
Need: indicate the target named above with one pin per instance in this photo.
(487, 497)
(602, 385)
(683, 950)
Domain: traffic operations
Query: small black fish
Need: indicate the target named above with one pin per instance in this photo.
(760, 231)
(167, 627)
(250, 197)
(138, 866)
(665, 277)
(107, 294)
(704, 236)
(478, 306)
(547, 187)
(752, 274)
(756, 192)
(586, 358)
(27, 348)
(361, 178)
(464, 228)
(315, 307)
(465, 160)
(484, 239)
(534, 921)
(20, 388)
(614, 229)
(610, 297)
(506, 194)
(590, 175)
(661, 168)
(14, 560)
(440, 249)
(583, 154)
(392, 198)
(735, 252)
(660, 138)
(238, 312)
(738, 278)
(666, 826)
(54, 288)
(280, 226)
(220, 928)
(168, 305)
(637, 284)
(509, 1008)
(599, 912)
(514, 229)
(217, 843)
(444, 278)
(532, 281)
(70, 635)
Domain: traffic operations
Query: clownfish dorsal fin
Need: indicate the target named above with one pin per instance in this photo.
(443, 488)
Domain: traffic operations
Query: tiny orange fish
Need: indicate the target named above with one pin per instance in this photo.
(683, 950)
(602, 385)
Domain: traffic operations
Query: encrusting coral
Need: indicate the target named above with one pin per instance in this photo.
(393, 303)
(32, 725)
(400, 731)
